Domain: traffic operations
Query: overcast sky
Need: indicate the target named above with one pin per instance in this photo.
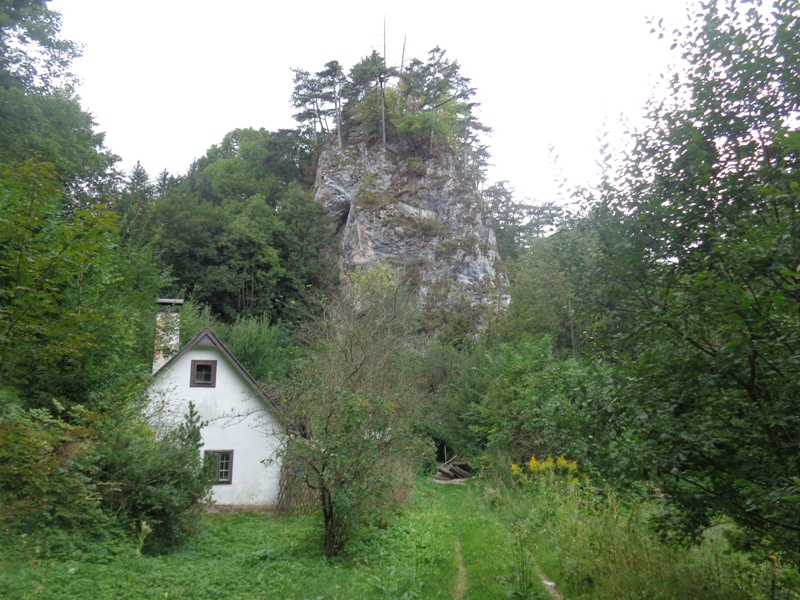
(166, 79)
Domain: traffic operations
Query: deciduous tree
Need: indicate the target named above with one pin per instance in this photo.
(350, 415)
(701, 236)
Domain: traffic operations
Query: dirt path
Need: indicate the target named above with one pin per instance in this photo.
(461, 576)
(549, 585)
(551, 589)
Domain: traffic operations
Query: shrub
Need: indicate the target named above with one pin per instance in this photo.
(47, 475)
(156, 481)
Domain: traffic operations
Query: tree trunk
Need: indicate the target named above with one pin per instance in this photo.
(335, 535)
(383, 116)
(339, 118)
(430, 147)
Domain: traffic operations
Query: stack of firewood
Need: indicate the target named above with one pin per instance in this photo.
(454, 469)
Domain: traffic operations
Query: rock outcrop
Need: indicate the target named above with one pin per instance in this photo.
(420, 216)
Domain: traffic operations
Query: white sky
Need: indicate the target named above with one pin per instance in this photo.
(166, 79)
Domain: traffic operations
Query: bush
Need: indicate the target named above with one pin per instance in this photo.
(47, 476)
(156, 482)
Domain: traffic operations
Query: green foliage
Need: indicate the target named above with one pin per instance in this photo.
(48, 476)
(552, 292)
(31, 54)
(265, 350)
(80, 477)
(516, 222)
(521, 398)
(699, 234)
(452, 378)
(418, 129)
(510, 395)
(76, 345)
(52, 127)
(42, 117)
(134, 204)
(248, 162)
(239, 234)
(158, 479)
(354, 473)
(596, 544)
(72, 310)
(304, 240)
(319, 98)
(350, 418)
(369, 114)
(427, 110)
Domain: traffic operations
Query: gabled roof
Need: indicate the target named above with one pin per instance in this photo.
(207, 339)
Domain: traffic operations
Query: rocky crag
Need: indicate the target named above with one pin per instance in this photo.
(420, 216)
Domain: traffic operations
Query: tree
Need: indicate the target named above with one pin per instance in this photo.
(31, 54)
(303, 242)
(288, 157)
(542, 299)
(41, 116)
(426, 105)
(71, 307)
(133, 206)
(428, 87)
(75, 314)
(244, 283)
(515, 222)
(239, 233)
(163, 182)
(700, 237)
(333, 82)
(350, 419)
(371, 73)
(308, 97)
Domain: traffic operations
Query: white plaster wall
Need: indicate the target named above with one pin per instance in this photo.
(237, 420)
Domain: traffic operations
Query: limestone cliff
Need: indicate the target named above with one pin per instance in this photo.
(420, 216)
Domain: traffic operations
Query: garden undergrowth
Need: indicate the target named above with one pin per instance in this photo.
(502, 532)
(599, 545)
(266, 556)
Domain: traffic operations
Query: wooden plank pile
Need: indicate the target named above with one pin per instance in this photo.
(454, 469)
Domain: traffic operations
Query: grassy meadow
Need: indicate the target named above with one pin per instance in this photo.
(419, 555)
(498, 536)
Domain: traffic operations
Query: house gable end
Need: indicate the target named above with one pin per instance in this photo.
(241, 421)
(207, 339)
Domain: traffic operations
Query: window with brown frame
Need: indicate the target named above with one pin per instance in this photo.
(220, 465)
(204, 373)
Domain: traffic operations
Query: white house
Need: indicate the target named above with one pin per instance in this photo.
(243, 434)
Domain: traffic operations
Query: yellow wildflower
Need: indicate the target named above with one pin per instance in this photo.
(516, 470)
(534, 465)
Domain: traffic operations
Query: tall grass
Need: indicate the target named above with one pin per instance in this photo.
(596, 544)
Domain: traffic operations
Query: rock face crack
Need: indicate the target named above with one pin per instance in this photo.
(426, 222)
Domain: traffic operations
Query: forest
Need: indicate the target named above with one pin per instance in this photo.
(633, 415)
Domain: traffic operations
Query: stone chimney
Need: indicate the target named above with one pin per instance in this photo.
(168, 331)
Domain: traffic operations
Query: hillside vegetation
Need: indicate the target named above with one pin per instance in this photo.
(634, 415)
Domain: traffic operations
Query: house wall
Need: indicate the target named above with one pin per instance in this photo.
(237, 420)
